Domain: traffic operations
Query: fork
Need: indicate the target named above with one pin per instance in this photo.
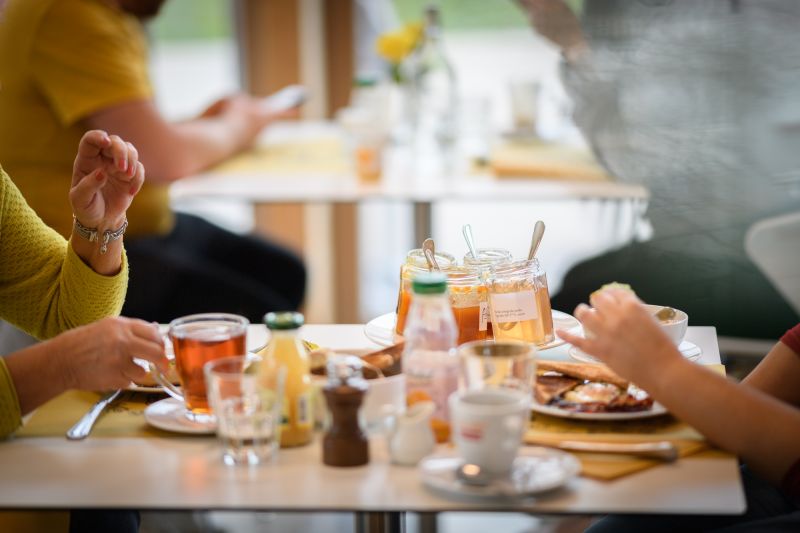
(84, 426)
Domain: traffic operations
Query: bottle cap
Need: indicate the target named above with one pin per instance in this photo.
(429, 283)
(283, 320)
(345, 370)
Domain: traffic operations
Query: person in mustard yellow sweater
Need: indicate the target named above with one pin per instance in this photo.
(65, 290)
(68, 66)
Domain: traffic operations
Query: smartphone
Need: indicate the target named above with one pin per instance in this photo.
(289, 97)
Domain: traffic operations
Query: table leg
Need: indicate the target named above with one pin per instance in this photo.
(376, 522)
(423, 225)
(428, 522)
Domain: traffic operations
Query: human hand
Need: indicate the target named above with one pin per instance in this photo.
(555, 21)
(245, 115)
(99, 356)
(106, 176)
(621, 333)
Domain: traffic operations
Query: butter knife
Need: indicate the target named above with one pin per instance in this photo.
(662, 450)
(84, 426)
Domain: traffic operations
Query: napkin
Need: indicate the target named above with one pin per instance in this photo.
(548, 429)
(123, 418)
(538, 159)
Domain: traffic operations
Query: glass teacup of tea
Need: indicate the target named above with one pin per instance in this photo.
(196, 340)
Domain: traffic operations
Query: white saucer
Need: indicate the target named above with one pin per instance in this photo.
(380, 330)
(535, 470)
(170, 415)
(689, 350)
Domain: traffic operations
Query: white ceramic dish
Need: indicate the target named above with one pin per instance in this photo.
(380, 330)
(674, 328)
(535, 470)
(689, 350)
(656, 410)
(170, 415)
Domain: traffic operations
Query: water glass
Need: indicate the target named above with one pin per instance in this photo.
(247, 406)
(498, 365)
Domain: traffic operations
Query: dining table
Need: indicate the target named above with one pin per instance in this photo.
(300, 183)
(164, 471)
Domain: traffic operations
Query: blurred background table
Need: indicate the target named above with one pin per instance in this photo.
(304, 194)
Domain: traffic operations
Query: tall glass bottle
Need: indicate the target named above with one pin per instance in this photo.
(286, 349)
(434, 86)
(429, 361)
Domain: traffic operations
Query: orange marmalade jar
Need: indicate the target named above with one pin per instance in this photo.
(468, 298)
(487, 258)
(519, 302)
(414, 265)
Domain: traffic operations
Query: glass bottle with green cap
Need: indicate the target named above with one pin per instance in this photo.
(430, 363)
(286, 349)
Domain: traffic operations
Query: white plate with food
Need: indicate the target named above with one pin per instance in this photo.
(170, 415)
(535, 470)
(689, 350)
(380, 330)
(586, 391)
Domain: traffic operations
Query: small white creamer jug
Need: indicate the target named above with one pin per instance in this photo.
(410, 435)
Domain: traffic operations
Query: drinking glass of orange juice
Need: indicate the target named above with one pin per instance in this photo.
(197, 339)
(414, 265)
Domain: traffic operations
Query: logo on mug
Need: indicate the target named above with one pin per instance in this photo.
(472, 431)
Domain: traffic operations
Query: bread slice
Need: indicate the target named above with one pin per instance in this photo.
(587, 371)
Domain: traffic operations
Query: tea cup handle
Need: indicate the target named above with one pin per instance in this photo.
(165, 383)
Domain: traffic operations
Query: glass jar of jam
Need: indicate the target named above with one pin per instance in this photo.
(519, 302)
(414, 265)
(468, 298)
(487, 257)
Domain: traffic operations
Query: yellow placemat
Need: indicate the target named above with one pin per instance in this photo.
(123, 418)
(548, 429)
(306, 157)
(539, 159)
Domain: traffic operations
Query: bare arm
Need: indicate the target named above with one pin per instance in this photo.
(763, 430)
(171, 151)
(777, 375)
(98, 356)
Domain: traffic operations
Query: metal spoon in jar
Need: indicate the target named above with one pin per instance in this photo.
(429, 249)
(536, 239)
(467, 231)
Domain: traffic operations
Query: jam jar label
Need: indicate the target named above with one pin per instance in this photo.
(514, 307)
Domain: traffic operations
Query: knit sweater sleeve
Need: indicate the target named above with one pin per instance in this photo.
(45, 288)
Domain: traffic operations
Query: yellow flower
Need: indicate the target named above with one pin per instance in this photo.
(394, 46)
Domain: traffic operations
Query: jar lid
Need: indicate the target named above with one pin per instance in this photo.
(429, 283)
(416, 257)
(284, 320)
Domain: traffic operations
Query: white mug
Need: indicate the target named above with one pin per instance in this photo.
(488, 426)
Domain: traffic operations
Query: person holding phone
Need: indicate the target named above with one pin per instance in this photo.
(71, 65)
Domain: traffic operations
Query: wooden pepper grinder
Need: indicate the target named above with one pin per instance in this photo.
(345, 444)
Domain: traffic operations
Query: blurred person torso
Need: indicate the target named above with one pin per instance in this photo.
(60, 61)
(698, 101)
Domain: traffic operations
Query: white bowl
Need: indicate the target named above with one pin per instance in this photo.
(674, 328)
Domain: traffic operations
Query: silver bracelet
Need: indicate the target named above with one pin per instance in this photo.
(92, 235)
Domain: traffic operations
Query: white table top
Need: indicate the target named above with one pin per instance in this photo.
(403, 180)
(187, 472)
